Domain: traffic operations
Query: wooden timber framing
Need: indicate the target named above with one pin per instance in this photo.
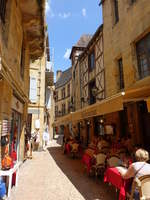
(97, 74)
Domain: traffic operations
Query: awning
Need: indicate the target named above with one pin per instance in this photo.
(148, 104)
(63, 120)
(109, 105)
(139, 91)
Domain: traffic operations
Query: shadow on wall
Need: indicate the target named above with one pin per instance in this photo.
(88, 187)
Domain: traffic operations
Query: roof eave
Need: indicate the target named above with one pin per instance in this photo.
(34, 25)
(101, 2)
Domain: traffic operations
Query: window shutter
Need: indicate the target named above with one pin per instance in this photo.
(33, 90)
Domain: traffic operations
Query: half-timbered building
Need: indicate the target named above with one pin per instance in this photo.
(92, 70)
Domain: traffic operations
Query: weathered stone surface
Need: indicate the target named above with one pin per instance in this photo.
(52, 175)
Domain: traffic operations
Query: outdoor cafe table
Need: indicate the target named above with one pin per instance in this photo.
(67, 148)
(113, 176)
(9, 173)
(88, 161)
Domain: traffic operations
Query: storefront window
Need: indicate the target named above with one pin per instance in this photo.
(15, 133)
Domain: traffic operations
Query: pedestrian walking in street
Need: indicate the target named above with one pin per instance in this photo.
(45, 138)
(36, 139)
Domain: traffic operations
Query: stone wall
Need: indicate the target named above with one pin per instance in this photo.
(120, 38)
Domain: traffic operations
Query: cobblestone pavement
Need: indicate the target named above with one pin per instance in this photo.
(50, 175)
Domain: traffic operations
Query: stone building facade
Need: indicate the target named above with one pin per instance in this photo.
(112, 75)
(77, 50)
(63, 93)
(18, 44)
(126, 59)
(41, 91)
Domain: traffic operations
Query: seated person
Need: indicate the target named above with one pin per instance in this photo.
(138, 168)
(90, 152)
(128, 143)
(93, 143)
(102, 143)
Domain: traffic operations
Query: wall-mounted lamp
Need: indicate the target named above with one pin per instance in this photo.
(88, 122)
(122, 93)
(101, 121)
(81, 125)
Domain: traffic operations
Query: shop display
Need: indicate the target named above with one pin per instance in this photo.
(7, 162)
(2, 188)
(5, 127)
(4, 141)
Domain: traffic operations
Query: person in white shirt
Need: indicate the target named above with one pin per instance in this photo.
(45, 139)
(36, 139)
(139, 168)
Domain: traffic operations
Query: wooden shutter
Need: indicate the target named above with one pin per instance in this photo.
(33, 90)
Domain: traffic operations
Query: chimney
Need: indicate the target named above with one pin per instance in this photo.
(58, 74)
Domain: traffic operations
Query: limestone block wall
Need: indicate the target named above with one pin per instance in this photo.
(120, 39)
(12, 37)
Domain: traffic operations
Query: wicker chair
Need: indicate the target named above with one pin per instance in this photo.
(105, 150)
(99, 166)
(74, 149)
(113, 161)
(142, 184)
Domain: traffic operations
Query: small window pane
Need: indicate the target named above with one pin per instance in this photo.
(143, 56)
(3, 9)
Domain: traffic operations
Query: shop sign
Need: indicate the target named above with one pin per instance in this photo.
(91, 113)
(17, 105)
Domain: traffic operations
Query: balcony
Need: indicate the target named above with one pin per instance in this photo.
(49, 75)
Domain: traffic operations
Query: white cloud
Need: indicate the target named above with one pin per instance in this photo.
(84, 12)
(64, 15)
(67, 54)
(48, 9)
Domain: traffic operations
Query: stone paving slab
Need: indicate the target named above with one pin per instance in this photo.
(50, 175)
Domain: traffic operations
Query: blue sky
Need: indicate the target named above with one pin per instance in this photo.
(67, 20)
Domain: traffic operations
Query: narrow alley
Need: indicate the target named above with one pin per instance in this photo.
(50, 175)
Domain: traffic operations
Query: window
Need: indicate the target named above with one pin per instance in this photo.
(143, 56)
(68, 88)
(63, 109)
(56, 96)
(63, 93)
(91, 61)
(3, 10)
(74, 74)
(56, 111)
(22, 62)
(116, 11)
(132, 1)
(92, 97)
(121, 78)
(69, 106)
(33, 90)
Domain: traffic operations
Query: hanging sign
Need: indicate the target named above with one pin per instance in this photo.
(17, 105)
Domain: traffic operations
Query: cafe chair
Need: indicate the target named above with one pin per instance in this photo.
(142, 185)
(105, 150)
(113, 161)
(74, 150)
(99, 166)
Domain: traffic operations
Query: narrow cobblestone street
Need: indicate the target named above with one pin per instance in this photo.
(51, 175)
